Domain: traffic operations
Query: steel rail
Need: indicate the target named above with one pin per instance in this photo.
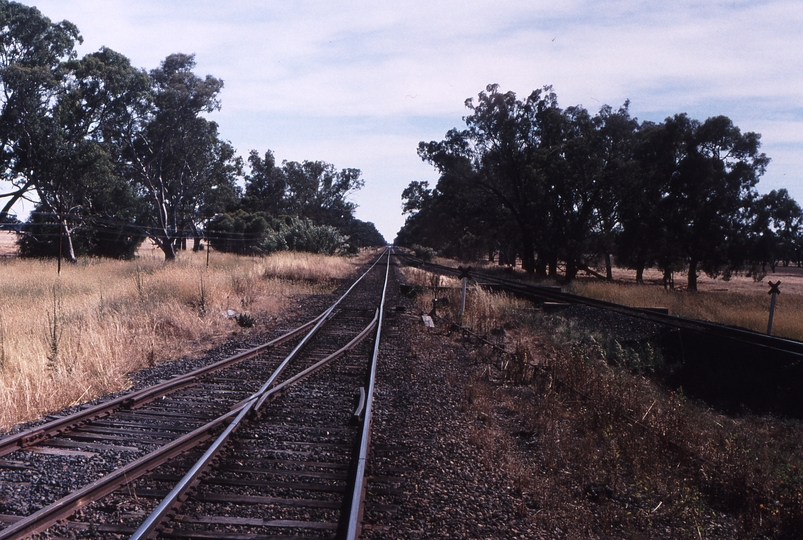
(742, 335)
(358, 495)
(252, 405)
(39, 433)
(67, 505)
(153, 521)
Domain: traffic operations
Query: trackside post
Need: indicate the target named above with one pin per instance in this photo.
(774, 292)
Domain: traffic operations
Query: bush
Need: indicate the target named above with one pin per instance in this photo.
(260, 234)
(96, 237)
(240, 232)
(424, 253)
(303, 235)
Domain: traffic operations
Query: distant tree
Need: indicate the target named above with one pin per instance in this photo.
(548, 176)
(362, 234)
(569, 186)
(265, 186)
(774, 224)
(496, 155)
(615, 141)
(717, 168)
(318, 191)
(239, 232)
(260, 234)
(643, 239)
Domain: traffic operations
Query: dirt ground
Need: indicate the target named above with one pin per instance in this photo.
(791, 278)
(7, 243)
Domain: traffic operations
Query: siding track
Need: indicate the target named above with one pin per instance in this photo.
(265, 444)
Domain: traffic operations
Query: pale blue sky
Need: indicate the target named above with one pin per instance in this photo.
(359, 84)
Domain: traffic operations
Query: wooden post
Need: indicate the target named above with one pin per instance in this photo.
(774, 292)
(464, 276)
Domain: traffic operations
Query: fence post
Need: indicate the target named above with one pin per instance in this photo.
(464, 276)
(774, 292)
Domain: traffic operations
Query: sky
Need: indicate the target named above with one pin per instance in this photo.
(361, 83)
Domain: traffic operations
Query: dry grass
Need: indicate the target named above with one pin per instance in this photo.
(597, 451)
(69, 338)
(746, 307)
(485, 311)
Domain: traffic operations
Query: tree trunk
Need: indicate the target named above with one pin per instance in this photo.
(553, 265)
(528, 262)
(608, 267)
(640, 274)
(692, 274)
(540, 266)
(168, 248)
(68, 252)
(571, 270)
(669, 281)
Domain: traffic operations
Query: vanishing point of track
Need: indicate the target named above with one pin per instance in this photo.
(268, 443)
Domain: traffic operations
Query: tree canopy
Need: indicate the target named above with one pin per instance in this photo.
(528, 179)
(111, 154)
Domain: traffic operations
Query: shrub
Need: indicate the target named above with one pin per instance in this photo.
(422, 252)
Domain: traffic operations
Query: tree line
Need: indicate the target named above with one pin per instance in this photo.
(112, 154)
(562, 189)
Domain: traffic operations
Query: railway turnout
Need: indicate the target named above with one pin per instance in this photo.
(268, 443)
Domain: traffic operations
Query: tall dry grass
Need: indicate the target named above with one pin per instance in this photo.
(744, 309)
(573, 430)
(485, 311)
(67, 339)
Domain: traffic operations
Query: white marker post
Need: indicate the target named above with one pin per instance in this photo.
(774, 292)
(464, 276)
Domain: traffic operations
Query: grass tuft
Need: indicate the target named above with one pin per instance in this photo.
(107, 318)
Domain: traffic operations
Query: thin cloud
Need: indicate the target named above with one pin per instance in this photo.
(339, 80)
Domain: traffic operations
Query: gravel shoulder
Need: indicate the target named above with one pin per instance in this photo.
(429, 474)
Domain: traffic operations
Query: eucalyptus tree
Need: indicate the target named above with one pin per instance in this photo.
(716, 170)
(318, 191)
(501, 153)
(265, 185)
(179, 164)
(551, 173)
(70, 152)
(774, 227)
(642, 239)
(32, 51)
(615, 141)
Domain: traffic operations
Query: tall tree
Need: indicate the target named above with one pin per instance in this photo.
(265, 186)
(32, 49)
(502, 152)
(717, 168)
(178, 161)
(318, 191)
(774, 225)
(69, 155)
(615, 139)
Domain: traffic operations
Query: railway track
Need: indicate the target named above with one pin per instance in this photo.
(732, 367)
(268, 443)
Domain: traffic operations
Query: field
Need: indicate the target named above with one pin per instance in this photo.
(740, 301)
(7, 245)
(69, 338)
